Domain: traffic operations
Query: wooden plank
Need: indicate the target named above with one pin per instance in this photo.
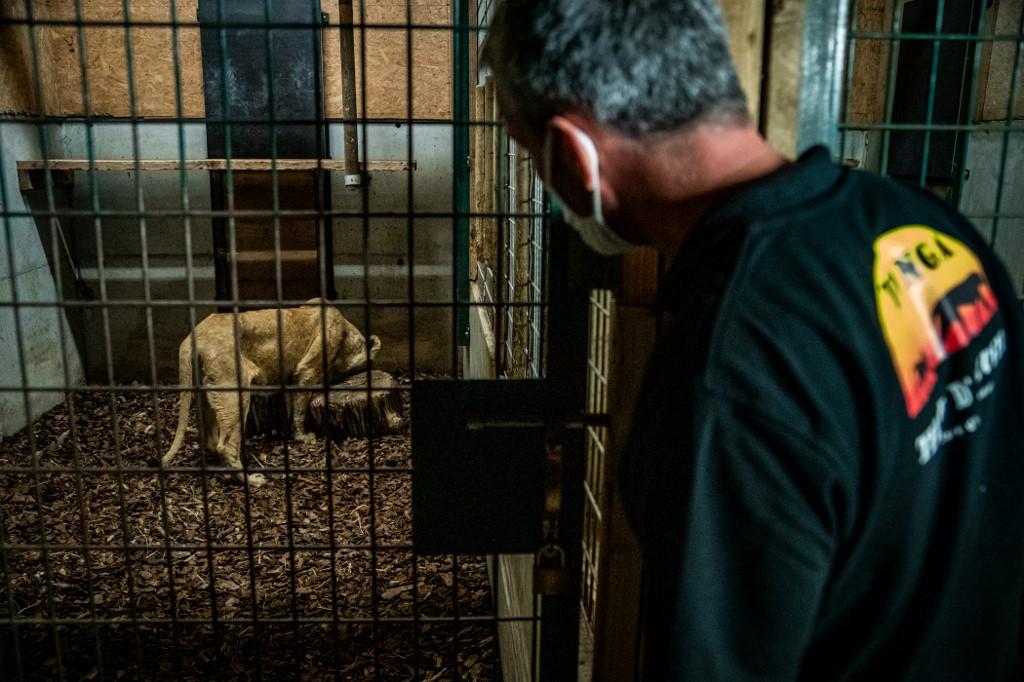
(617, 610)
(478, 189)
(302, 255)
(34, 178)
(782, 86)
(258, 165)
(25, 180)
(745, 19)
(489, 253)
(156, 87)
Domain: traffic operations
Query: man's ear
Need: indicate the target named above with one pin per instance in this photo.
(570, 160)
(374, 345)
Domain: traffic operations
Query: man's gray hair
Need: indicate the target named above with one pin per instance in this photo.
(639, 66)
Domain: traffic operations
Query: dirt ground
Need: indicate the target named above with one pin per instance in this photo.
(252, 595)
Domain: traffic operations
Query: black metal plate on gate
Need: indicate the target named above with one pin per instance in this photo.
(478, 466)
(237, 59)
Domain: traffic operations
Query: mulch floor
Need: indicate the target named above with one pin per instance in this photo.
(167, 608)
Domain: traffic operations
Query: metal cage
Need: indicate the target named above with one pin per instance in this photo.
(166, 162)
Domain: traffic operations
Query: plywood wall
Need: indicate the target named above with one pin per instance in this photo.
(866, 100)
(17, 96)
(387, 59)
(156, 87)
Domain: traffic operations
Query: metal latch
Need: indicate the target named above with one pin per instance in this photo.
(549, 563)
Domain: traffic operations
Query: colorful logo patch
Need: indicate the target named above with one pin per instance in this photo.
(933, 299)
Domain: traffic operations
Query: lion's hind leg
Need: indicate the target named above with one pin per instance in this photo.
(230, 409)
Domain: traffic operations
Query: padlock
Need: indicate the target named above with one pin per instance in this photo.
(549, 570)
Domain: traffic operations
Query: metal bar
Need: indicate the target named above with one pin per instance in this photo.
(62, 344)
(199, 470)
(381, 121)
(279, 314)
(851, 58)
(890, 92)
(150, 336)
(936, 127)
(98, 235)
(372, 474)
(202, 427)
(932, 80)
(20, 352)
(977, 47)
(284, 213)
(353, 170)
(821, 71)
(410, 199)
(233, 260)
(944, 37)
(248, 165)
(470, 619)
(460, 163)
(237, 25)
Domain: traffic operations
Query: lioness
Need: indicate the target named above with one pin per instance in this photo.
(303, 346)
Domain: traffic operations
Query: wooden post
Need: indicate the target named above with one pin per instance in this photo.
(746, 38)
(782, 85)
(353, 173)
(617, 616)
(479, 186)
(490, 175)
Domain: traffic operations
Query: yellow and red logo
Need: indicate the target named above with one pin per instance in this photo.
(933, 299)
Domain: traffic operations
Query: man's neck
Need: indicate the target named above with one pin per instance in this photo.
(666, 186)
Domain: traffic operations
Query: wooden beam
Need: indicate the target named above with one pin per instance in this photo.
(634, 330)
(745, 19)
(299, 255)
(782, 85)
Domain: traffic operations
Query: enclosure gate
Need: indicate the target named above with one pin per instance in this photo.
(135, 203)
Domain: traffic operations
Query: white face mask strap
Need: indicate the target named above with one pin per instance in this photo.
(593, 161)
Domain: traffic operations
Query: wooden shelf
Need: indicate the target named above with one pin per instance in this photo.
(29, 171)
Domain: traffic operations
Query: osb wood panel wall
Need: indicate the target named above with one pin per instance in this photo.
(866, 103)
(17, 96)
(156, 88)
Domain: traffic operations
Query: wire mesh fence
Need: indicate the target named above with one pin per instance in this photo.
(933, 96)
(296, 173)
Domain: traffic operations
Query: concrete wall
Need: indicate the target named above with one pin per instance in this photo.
(42, 330)
(386, 247)
(984, 158)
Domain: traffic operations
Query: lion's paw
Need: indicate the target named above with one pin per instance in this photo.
(305, 437)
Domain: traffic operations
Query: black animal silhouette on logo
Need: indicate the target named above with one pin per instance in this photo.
(921, 368)
(968, 293)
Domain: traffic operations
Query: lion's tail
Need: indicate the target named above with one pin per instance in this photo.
(184, 399)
